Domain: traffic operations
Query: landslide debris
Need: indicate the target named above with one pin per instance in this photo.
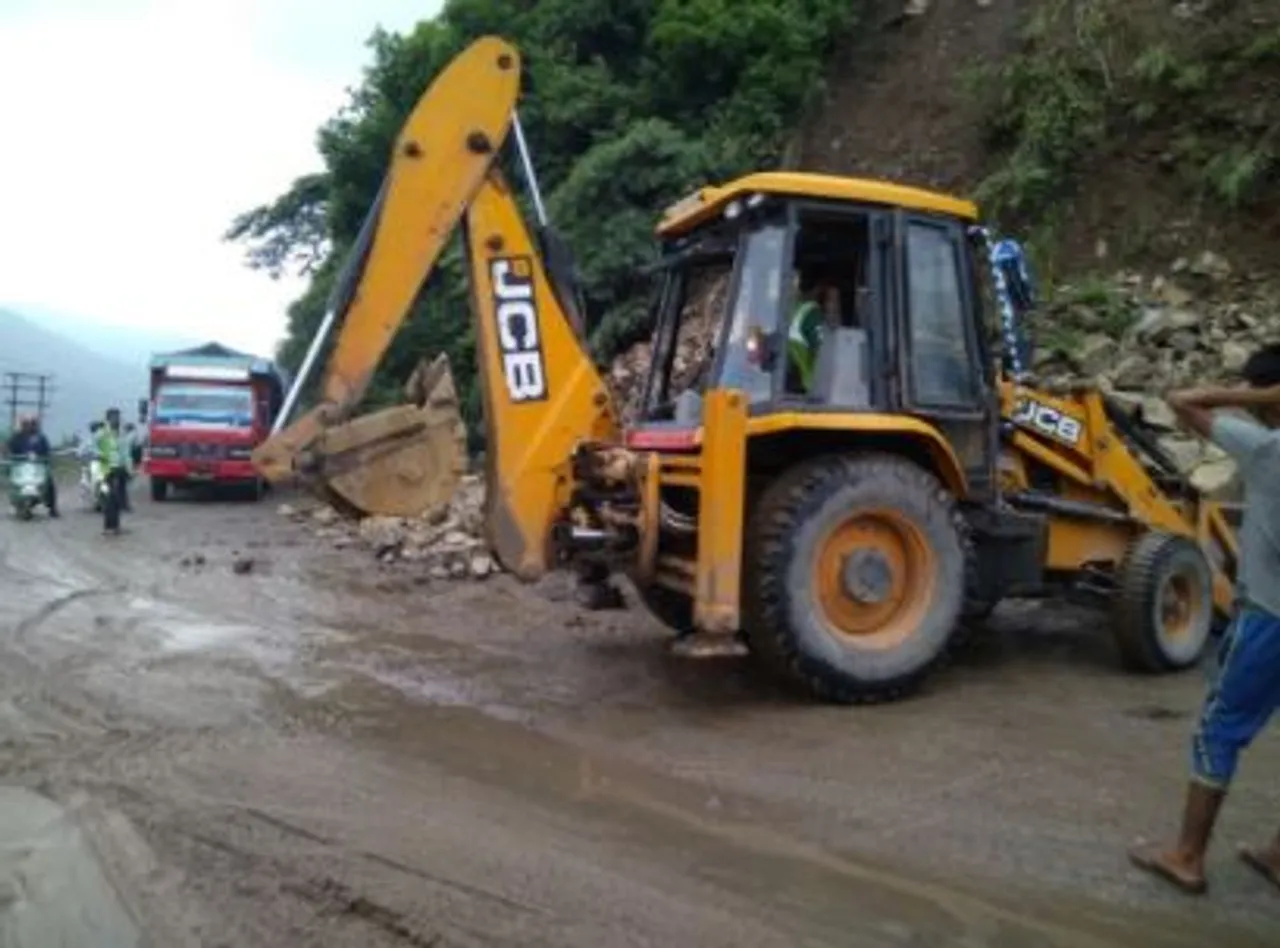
(1136, 336)
(447, 542)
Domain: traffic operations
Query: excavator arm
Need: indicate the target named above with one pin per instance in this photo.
(407, 458)
(543, 397)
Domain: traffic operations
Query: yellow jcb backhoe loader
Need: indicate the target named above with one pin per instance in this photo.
(840, 524)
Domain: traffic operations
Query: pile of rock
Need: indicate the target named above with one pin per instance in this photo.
(694, 344)
(446, 542)
(1137, 337)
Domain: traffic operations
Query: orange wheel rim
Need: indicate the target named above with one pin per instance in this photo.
(1180, 597)
(875, 577)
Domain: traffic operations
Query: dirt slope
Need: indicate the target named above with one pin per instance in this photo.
(1190, 88)
(896, 105)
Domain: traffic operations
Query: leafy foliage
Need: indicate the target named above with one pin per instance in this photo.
(1093, 75)
(627, 105)
(1110, 309)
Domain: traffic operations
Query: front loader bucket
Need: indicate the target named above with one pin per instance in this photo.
(401, 461)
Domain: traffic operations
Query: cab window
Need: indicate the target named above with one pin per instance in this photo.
(944, 370)
(755, 307)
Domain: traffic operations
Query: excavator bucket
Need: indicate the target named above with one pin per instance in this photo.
(401, 461)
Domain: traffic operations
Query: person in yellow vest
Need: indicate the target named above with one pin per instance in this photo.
(805, 329)
(113, 452)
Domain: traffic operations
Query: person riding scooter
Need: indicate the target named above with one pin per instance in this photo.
(29, 439)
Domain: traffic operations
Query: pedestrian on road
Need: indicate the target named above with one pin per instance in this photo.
(113, 452)
(135, 445)
(1246, 687)
(135, 458)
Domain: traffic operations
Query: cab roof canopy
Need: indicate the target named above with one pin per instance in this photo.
(710, 201)
(215, 354)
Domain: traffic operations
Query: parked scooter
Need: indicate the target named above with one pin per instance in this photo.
(27, 476)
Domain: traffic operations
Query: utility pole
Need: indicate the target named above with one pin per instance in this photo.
(27, 390)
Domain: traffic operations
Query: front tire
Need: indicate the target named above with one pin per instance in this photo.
(1163, 614)
(855, 576)
(159, 489)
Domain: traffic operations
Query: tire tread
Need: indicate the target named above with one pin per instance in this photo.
(780, 512)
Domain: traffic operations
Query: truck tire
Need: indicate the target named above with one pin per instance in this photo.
(159, 489)
(1163, 613)
(855, 576)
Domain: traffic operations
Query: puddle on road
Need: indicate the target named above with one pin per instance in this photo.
(418, 684)
(179, 630)
(195, 636)
(53, 892)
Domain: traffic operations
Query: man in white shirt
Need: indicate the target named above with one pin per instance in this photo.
(1246, 691)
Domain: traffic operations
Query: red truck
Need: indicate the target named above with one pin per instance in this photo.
(209, 408)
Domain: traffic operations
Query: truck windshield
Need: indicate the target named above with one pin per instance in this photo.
(204, 405)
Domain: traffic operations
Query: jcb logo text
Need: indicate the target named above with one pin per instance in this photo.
(519, 334)
(1047, 420)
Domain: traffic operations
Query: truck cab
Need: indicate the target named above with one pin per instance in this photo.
(890, 273)
(209, 408)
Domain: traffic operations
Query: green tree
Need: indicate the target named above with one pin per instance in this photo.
(627, 104)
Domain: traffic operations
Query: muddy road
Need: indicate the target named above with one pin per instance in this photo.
(315, 750)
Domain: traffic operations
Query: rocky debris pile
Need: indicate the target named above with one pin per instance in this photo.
(694, 344)
(1137, 336)
(447, 542)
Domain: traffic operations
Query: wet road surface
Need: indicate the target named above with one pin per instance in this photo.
(324, 751)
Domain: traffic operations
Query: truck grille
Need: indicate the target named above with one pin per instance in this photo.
(202, 452)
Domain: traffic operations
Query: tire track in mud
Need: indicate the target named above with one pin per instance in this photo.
(328, 897)
(49, 712)
(332, 897)
(393, 864)
(50, 609)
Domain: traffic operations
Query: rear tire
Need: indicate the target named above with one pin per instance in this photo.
(159, 489)
(855, 576)
(1163, 616)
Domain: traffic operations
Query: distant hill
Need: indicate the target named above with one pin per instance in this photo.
(117, 342)
(85, 381)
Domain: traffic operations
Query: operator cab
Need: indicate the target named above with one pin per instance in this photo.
(820, 295)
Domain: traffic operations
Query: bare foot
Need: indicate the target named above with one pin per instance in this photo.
(1170, 866)
(1263, 860)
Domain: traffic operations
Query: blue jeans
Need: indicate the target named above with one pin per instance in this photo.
(1242, 698)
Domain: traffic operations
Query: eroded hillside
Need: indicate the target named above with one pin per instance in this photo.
(1109, 132)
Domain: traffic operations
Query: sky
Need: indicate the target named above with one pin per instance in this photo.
(134, 131)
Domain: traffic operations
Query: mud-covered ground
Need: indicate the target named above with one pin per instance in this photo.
(316, 750)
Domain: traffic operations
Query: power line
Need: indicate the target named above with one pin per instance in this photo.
(27, 390)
